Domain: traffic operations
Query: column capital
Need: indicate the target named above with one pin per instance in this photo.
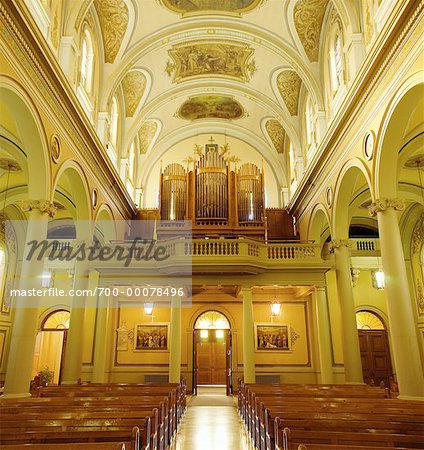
(338, 243)
(44, 206)
(382, 204)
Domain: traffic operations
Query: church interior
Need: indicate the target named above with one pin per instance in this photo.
(213, 209)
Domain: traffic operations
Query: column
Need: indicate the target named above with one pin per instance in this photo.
(399, 303)
(103, 320)
(356, 54)
(248, 336)
(74, 344)
(68, 57)
(175, 341)
(350, 340)
(24, 330)
(319, 296)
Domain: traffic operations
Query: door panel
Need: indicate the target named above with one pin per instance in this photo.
(375, 356)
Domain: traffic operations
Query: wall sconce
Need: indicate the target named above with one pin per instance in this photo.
(275, 308)
(378, 279)
(148, 309)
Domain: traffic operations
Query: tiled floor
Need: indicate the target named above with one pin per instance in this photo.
(211, 427)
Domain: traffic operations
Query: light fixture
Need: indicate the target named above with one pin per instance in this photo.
(275, 308)
(379, 279)
(219, 334)
(204, 334)
(148, 309)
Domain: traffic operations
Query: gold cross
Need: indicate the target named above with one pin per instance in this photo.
(211, 140)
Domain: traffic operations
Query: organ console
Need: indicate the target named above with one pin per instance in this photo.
(216, 200)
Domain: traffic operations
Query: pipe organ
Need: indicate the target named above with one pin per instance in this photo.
(212, 188)
(250, 194)
(216, 200)
(173, 192)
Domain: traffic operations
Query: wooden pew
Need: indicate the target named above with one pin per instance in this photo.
(72, 446)
(87, 413)
(288, 439)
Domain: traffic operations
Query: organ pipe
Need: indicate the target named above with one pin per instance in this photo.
(173, 192)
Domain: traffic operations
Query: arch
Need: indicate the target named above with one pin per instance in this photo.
(369, 320)
(346, 184)
(317, 221)
(206, 308)
(246, 32)
(56, 320)
(105, 223)
(391, 135)
(33, 141)
(72, 175)
(212, 319)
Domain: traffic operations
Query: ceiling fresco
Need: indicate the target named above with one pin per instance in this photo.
(188, 6)
(212, 58)
(211, 106)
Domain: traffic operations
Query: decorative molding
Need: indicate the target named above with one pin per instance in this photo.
(113, 18)
(146, 135)
(308, 16)
(55, 149)
(418, 235)
(62, 101)
(329, 197)
(288, 84)
(382, 204)
(207, 6)
(276, 133)
(211, 106)
(133, 86)
(211, 58)
(368, 145)
(44, 206)
(338, 243)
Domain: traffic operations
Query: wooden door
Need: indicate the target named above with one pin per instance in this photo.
(375, 356)
(210, 356)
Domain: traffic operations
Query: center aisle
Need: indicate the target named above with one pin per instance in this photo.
(211, 423)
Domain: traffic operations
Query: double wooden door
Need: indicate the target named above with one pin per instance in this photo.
(375, 356)
(212, 358)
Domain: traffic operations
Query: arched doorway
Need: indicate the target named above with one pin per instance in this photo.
(51, 344)
(374, 345)
(212, 351)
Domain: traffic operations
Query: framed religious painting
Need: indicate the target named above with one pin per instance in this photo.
(151, 336)
(272, 337)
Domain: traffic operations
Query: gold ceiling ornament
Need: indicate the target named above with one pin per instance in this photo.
(418, 235)
(146, 135)
(289, 83)
(308, 16)
(276, 133)
(197, 6)
(133, 86)
(211, 58)
(211, 107)
(113, 18)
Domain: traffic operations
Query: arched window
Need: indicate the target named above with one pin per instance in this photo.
(366, 320)
(336, 62)
(56, 321)
(87, 58)
(130, 170)
(114, 116)
(212, 320)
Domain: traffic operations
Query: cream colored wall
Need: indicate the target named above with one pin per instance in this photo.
(295, 365)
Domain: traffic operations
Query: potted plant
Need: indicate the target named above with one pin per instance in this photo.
(45, 376)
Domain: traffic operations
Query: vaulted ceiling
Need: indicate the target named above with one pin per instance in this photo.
(190, 67)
